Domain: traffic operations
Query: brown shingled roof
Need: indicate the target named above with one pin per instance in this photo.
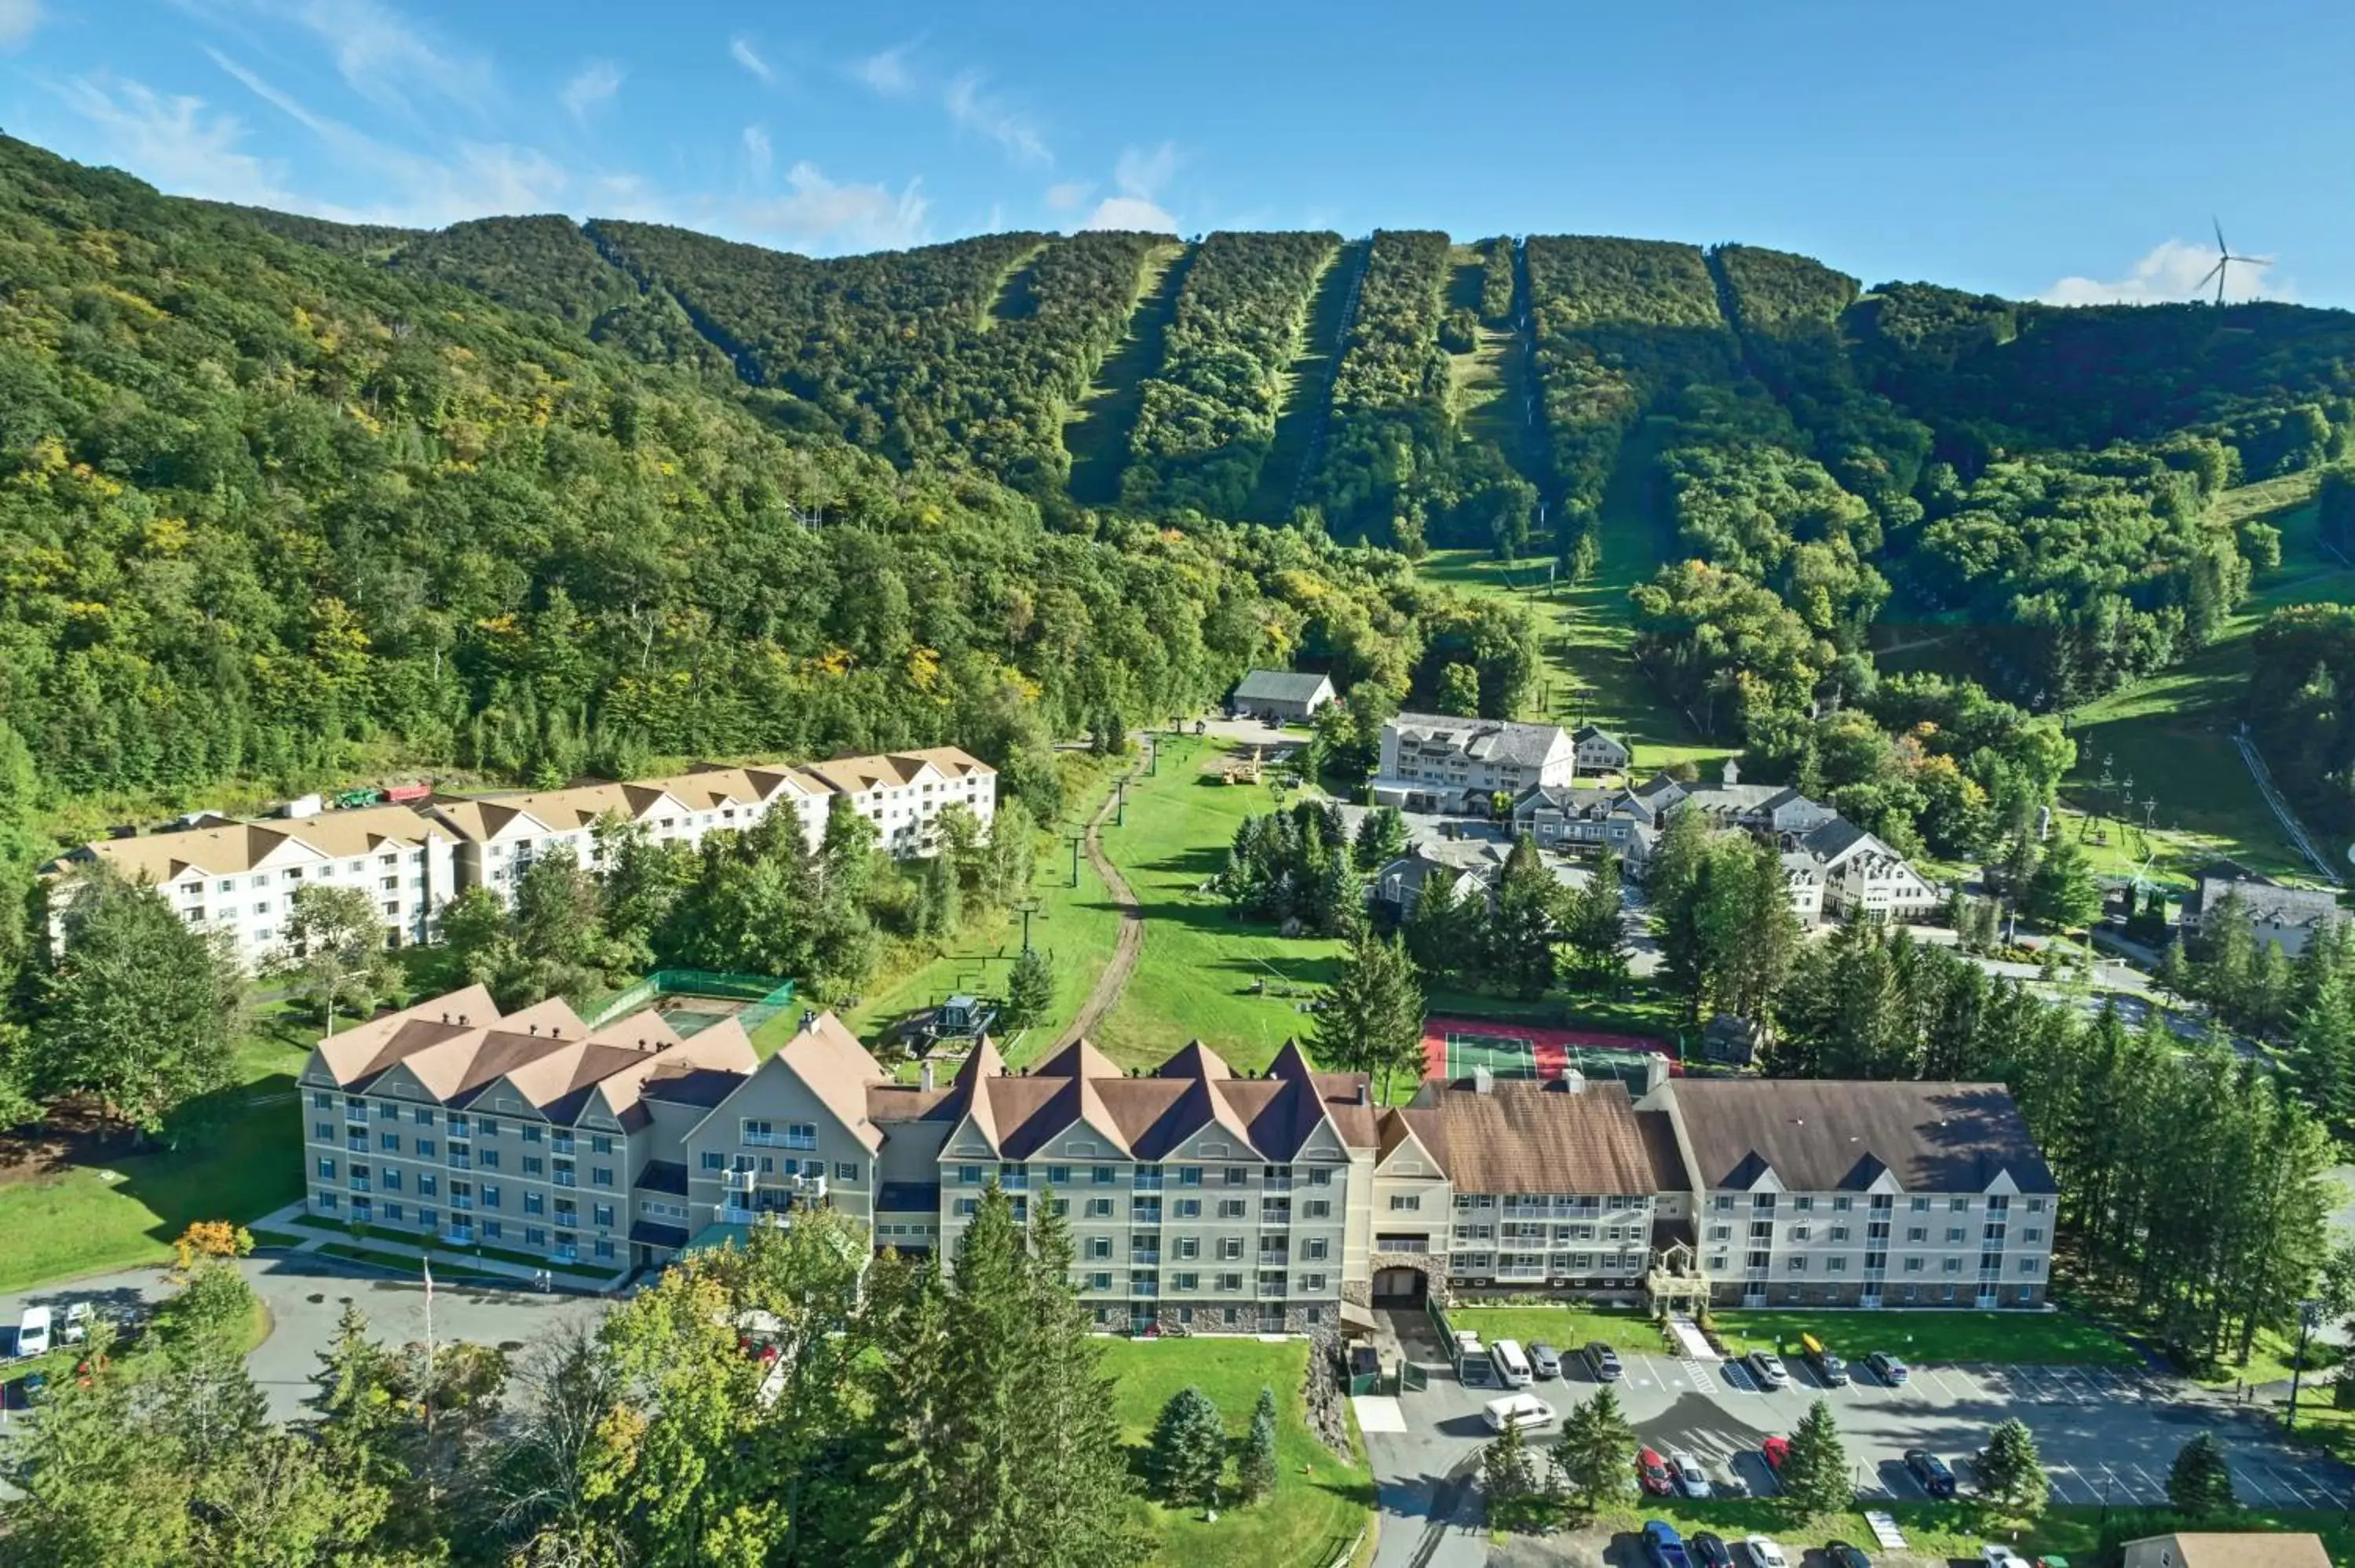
(1523, 1136)
(1821, 1135)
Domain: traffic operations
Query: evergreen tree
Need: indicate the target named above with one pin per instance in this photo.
(1255, 1470)
(1459, 690)
(2010, 1474)
(2062, 893)
(1372, 1018)
(1186, 1455)
(1443, 932)
(1590, 1462)
(1030, 990)
(1815, 1476)
(1509, 1477)
(1525, 923)
(1381, 837)
(2200, 1483)
(2322, 1049)
(1595, 925)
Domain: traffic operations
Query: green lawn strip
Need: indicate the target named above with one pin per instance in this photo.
(397, 1264)
(1320, 1501)
(284, 1241)
(2054, 1339)
(1194, 976)
(1566, 1329)
(2322, 1425)
(1956, 1530)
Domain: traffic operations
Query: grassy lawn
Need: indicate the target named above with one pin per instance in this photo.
(230, 1156)
(1193, 978)
(1954, 1531)
(1077, 925)
(2036, 1337)
(1320, 1502)
(1564, 1327)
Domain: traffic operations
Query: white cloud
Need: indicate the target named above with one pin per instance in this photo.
(816, 212)
(2172, 274)
(742, 51)
(19, 18)
(1143, 172)
(1130, 212)
(591, 88)
(1068, 194)
(886, 71)
(176, 142)
(757, 148)
(384, 57)
(974, 110)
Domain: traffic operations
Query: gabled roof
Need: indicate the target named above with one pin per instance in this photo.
(2265, 900)
(1529, 1136)
(1282, 686)
(2243, 1549)
(828, 1057)
(1819, 1135)
(1486, 740)
(1839, 837)
(857, 775)
(234, 848)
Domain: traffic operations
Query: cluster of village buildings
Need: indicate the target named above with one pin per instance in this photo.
(412, 856)
(1198, 1196)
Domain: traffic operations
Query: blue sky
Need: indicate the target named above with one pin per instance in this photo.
(2070, 149)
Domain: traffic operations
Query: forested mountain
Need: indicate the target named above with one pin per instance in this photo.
(271, 513)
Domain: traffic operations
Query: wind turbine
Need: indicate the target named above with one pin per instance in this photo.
(2224, 259)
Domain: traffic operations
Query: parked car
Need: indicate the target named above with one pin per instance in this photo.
(1545, 1360)
(1828, 1367)
(1710, 1551)
(1603, 1361)
(2000, 1556)
(1840, 1554)
(1653, 1471)
(33, 1332)
(1525, 1411)
(1932, 1472)
(1888, 1368)
(78, 1317)
(1768, 1369)
(1776, 1450)
(1765, 1552)
(1665, 1546)
(1691, 1479)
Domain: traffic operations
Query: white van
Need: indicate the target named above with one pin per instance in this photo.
(1526, 1411)
(1511, 1365)
(33, 1332)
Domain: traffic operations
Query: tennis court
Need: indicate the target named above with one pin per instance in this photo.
(1457, 1047)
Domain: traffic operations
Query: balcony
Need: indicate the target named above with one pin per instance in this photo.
(565, 1254)
(730, 1215)
(356, 1116)
(563, 1146)
(1276, 1213)
(1276, 1184)
(461, 1159)
(463, 1203)
(778, 1140)
(739, 1181)
(358, 1184)
(1406, 1244)
(1143, 1180)
(1144, 1260)
(1522, 1271)
(565, 1179)
(356, 1143)
(459, 1235)
(1013, 1181)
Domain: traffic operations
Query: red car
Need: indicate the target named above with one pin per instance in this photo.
(1654, 1471)
(1776, 1450)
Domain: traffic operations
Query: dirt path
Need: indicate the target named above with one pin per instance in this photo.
(1105, 996)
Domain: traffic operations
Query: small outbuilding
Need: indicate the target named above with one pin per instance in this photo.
(1285, 694)
(1731, 1041)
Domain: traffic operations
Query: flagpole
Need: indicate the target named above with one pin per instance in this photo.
(427, 1388)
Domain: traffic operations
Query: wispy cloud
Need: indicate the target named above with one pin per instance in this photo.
(176, 141)
(886, 71)
(757, 148)
(19, 18)
(986, 115)
(2171, 273)
(1067, 195)
(591, 88)
(1139, 175)
(381, 54)
(742, 51)
(815, 210)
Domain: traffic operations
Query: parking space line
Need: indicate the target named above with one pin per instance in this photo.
(2063, 1477)
(1945, 1383)
(2157, 1488)
(2251, 1476)
(2318, 1497)
(2081, 1386)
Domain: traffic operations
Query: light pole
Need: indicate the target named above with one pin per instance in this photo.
(2309, 1318)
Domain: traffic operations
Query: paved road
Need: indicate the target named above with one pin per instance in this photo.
(2105, 1435)
(305, 1296)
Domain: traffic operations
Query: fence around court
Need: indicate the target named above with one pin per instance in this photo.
(767, 995)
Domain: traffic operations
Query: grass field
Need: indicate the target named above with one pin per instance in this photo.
(2054, 1339)
(1096, 431)
(1320, 1502)
(1564, 1327)
(1304, 385)
(234, 1160)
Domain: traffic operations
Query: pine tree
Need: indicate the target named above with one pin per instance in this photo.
(2010, 1474)
(1441, 934)
(2321, 1049)
(1187, 1452)
(1522, 930)
(1595, 925)
(1508, 1476)
(2200, 1483)
(1030, 990)
(1381, 837)
(2062, 893)
(1814, 1475)
(1589, 1463)
(1372, 1017)
(1257, 1469)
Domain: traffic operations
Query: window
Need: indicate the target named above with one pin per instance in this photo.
(428, 1184)
(845, 1171)
(1313, 1249)
(425, 1149)
(535, 1235)
(1190, 1247)
(1231, 1208)
(1912, 1265)
(1237, 1175)
(1231, 1247)
(1954, 1265)
(1320, 1176)
(1954, 1233)
(1918, 1234)
(1099, 1246)
(1921, 1205)
(602, 1143)
(1189, 1175)
(488, 1160)
(1058, 1175)
(490, 1197)
(491, 1229)
(1100, 1282)
(600, 1176)
(603, 1213)
(604, 1248)
(1405, 1202)
(389, 1141)
(1230, 1282)
(327, 1170)
(1841, 1205)
(968, 1176)
(1185, 1282)
(1188, 1208)
(1960, 1206)
(968, 1207)
(325, 1130)
(1099, 1208)
(531, 1133)
(1798, 1265)
(533, 1165)
(2030, 1265)
(392, 1180)
(1312, 1285)
(801, 1135)
(1802, 1203)
(714, 1160)
(534, 1203)
(1316, 1209)
(321, 1100)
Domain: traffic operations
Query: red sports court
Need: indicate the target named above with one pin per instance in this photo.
(1456, 1047)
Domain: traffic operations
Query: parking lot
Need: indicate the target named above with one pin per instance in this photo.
(2106, 1434)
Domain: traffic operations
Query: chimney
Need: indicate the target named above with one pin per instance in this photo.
(1573, 1082)
(1482, 1081)
(445, 1015)
(924, 1075)
(461, 1018)
(535, 1029)
(555, 1032)
(1365, 1091)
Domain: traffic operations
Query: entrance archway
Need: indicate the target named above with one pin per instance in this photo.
(1401, 1285)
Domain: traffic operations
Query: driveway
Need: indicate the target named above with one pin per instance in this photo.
(305, 1296)
(2106, 1436)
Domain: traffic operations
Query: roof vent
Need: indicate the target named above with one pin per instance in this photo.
(555, 1032)
(1482, 1081)
(461, 1018)
(445, 1015)
(534, 1028)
